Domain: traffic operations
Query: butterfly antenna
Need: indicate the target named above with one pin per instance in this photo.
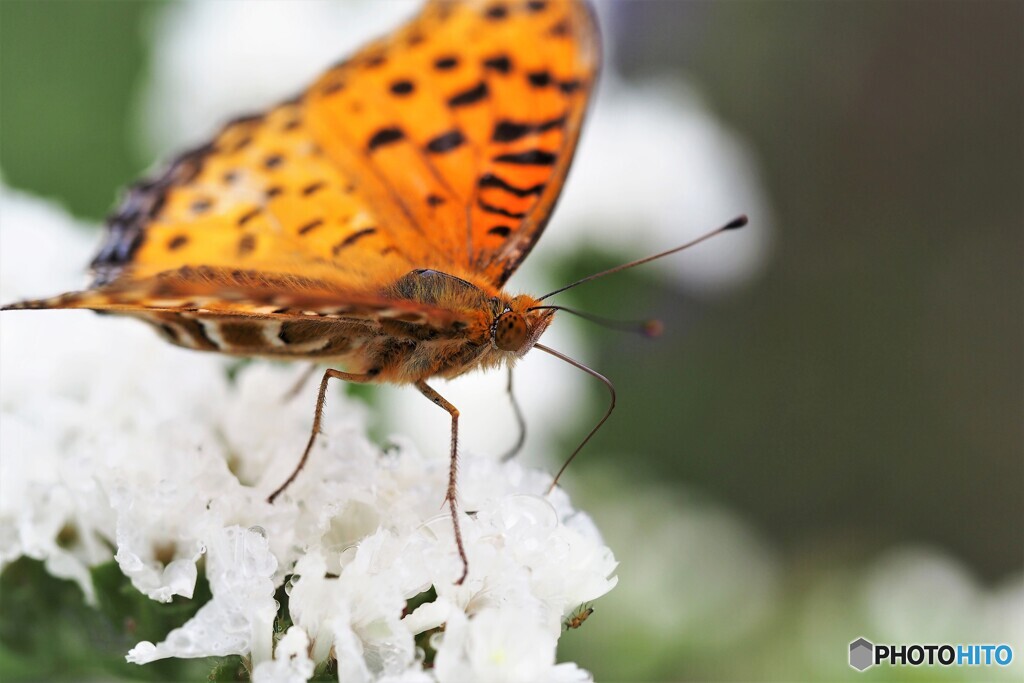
(735, 223)
(648, 328)
(611, 390)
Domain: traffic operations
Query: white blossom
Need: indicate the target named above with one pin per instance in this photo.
(508, 645)
(240, 617)
(291, 663)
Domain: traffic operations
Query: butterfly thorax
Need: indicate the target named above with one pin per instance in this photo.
(474, 327)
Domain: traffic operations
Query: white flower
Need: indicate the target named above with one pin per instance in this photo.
(509, 645)
(291, 663)
(240, 617)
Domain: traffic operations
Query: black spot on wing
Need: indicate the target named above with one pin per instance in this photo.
(201, 206)
(510, 131)
(493, 181)
(507, 131)
(402, 87)
(310, 226)
(312, 188)
(500, 230)
(560, 29)
(446, 62)
(246, 245)
(533, 157)
(501, 211)
(332, 87)
(446, 142)
(496, 12)
(177, 242)
(248, 216)
(470, 96)
(500, 63)
(385, 136)
(352, 239)
(374, 61)
(539, 79)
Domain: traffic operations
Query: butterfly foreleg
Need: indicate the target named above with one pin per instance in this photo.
(317, 416)
(520, 421)
(450, 496)
(299, 383)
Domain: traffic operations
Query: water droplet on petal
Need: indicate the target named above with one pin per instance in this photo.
(437, 527)
(526, 509)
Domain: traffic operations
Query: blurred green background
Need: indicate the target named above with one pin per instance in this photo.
(865, 392)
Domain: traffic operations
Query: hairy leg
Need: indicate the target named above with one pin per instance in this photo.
(299, 383)
(317, 416)
(450, 496)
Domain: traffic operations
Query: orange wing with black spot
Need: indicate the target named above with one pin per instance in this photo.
(468, 117)
(443, 145)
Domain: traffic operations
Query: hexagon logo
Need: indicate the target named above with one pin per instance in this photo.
(862, 654)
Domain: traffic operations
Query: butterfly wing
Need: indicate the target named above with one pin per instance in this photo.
(260, 196)
(468, 117)
(443, 145)
(254, 313)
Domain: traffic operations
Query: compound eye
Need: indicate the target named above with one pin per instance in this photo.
(510, 331)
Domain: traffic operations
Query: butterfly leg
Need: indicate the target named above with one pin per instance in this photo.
(299, 383)
(450, 497)
(317, 416)
(519, 421)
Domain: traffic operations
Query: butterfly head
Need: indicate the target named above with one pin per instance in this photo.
(517, 328)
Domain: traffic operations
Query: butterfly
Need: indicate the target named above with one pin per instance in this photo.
(372, 221)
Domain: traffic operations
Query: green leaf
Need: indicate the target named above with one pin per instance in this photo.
(49, 633)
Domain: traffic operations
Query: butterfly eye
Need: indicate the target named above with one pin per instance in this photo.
(509, 331)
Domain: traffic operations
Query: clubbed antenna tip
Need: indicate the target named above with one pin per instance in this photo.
(737, 222)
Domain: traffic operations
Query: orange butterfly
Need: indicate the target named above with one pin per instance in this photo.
(372, 221)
